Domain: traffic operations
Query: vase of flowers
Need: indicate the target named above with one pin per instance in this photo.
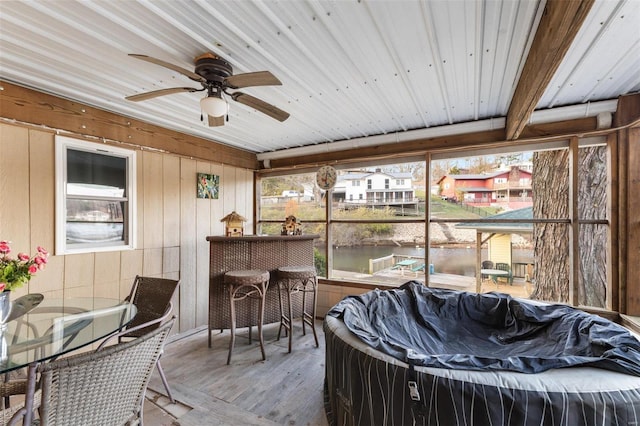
(14, 273)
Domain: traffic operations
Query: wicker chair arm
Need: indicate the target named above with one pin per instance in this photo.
(119, 334)
(13, 387)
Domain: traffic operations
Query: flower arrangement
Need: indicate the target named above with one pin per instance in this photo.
(15, 272)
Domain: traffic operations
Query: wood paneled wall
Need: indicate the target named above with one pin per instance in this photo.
(172, 223)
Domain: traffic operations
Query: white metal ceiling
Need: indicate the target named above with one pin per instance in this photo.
(350, 69)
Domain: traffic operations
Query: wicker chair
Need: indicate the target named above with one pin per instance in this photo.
(152, 297)
(7, 389)
(486, 264)
(106, 387)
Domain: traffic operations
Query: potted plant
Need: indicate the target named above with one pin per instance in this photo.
(15, 272)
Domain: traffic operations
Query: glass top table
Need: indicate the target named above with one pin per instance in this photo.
(493, 272)
(40, 329)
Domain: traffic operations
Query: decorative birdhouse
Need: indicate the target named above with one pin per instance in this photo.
(234, 224)
(291, 226)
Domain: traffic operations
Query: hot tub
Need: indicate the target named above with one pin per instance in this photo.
(367, 386)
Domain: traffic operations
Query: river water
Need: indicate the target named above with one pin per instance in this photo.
(458, 261)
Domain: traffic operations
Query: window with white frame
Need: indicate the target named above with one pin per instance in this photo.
(95, 197)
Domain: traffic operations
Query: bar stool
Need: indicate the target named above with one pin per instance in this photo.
(297, 279)
(251, 284)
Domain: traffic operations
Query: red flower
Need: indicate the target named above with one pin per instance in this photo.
(14, 273)
(4, 247)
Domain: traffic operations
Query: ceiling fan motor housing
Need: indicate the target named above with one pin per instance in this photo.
(212, 68)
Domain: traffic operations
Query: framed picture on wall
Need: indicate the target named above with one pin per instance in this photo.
(208, 185)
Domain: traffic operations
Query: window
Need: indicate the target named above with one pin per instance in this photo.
(95, 197)
(528, 227)
(500, 180)
(309, 210)
(534, 235)
(399, 182)
(386, 184)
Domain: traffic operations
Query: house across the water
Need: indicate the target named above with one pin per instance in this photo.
(507, 188)
(375, 189)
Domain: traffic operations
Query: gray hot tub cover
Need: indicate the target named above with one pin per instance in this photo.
(492, 331)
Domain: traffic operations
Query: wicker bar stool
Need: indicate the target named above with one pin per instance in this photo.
(246, 284)
(297, 279)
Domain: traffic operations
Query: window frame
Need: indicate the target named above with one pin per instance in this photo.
(62, 145)
(574, 223)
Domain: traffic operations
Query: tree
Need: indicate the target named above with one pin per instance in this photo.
(454, 170)
(480, 165)
(592, 204)
(550, 185)
(508, 159)
(439, 169)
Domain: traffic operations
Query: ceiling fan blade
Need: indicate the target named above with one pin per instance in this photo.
(260, 78)
(260, 105)
(216, 121)
(193, 76)
(155, 93)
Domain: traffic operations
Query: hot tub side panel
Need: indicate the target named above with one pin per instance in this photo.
(362, 389)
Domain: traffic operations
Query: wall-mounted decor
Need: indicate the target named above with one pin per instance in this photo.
(208, 185)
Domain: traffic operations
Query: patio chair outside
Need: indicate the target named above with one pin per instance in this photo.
(486, 264)
(152, 297)
(106, 387)
(505, 267)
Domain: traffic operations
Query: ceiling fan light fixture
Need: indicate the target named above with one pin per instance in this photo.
(214, 106)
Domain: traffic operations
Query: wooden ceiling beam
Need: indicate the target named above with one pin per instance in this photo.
(29, 106)
(559, 25)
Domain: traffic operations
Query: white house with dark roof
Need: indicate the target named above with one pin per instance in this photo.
(375, 187)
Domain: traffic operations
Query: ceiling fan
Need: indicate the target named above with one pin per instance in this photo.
(216, 77)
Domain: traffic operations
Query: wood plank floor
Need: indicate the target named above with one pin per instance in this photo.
(286, 389)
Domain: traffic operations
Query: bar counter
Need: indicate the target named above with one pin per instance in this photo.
(252, 252)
